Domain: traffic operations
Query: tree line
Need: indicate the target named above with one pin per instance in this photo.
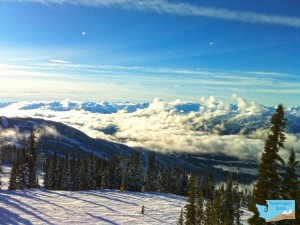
(75, 172)
(208, 205)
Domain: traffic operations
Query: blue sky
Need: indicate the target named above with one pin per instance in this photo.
(140, 50)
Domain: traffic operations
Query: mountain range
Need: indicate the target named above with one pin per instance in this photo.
(206, 136)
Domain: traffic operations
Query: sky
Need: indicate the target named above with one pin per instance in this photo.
(124, 50)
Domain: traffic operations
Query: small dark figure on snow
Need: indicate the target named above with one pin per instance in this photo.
(143, 209)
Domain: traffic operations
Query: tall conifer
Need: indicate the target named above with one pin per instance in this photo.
(190, 213)
(269, 183)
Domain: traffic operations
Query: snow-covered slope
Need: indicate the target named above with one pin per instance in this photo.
(89, 207)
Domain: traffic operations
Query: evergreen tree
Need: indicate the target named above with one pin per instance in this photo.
(237, 198)
(47, 175)
(228, 202)
(209, 188)
(200, 206)
(163, 181)
(105, 183)
(66, 179)
(100, 165)
(32, 161)
(269, 183)
(291, 179)
(292, 185)
(115, 173)
(151, 174)
(217, 208)
(83, 179)
(13, 185)
(209, 213)
(55, 173)
(75, 172)
(23, 170)
(91, 173)
(184, 184)
(180, 220)
(135, 173)
(190, 213)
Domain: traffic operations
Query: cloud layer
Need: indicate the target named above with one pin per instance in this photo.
(181, 9)
(214, 127)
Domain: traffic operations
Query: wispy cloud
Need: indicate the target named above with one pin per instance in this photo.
(58, 61)
(181, 9)
(55, 80)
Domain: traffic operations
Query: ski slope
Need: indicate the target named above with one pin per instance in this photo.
(88, 207)
(40, 206)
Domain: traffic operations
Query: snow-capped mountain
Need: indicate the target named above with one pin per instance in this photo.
(190, 131)
(94, 107)
(224, 118)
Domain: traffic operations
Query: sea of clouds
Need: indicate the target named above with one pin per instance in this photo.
(209, 126)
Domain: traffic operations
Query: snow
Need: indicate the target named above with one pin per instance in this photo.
(40, 206)
(88, 207)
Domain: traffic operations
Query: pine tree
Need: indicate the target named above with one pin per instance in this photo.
(13, 176)
(228, 202)
(200, 202)
(55, 173)
(66, 179)
(292, 185)
(105, 183)
(135, 173)
(217, 208)
(209, 187)
(190, 213)
(209, 216)
(237, 198)
(269, 183)
(115, 172)
(47, 175)
(91, 173)
(100, 165)
(75, 172)
(32, 161)
(184, 184)
(23, 170)
(83, 169)
(151, 174)
(180, 220)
